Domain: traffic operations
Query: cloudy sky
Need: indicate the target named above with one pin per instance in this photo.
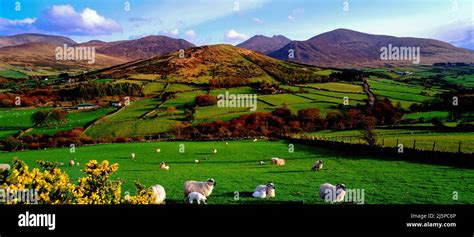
(233, 21)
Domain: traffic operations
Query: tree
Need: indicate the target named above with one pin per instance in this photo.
(368, 133)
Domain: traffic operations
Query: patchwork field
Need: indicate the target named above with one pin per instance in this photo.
(236, 168)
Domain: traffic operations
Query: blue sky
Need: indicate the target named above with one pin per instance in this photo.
(232, 21)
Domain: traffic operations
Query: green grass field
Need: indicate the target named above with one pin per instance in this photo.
(235, 168)
(12, 74)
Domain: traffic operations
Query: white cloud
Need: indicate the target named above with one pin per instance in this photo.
(64, 19)
(170, 33)
(257, 20)
(190, 35)
(233, 36)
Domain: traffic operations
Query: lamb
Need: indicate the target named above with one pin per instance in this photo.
(133, 156)
(163, 166)
(264, 191)
(158, 150)
(204, 188)
(158, 194)
(317, 166)
(278, 161)
(195, 196)
(331, 193)
(71, 162)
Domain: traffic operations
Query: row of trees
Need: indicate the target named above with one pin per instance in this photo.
(49, 117)
(93, 90)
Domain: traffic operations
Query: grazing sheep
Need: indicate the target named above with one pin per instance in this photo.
(227, 143)
(317, 166)
(264, 191)
(61, 164)
(261, 162)
(77, 164)
(204, 188)
(197, 162)
(255, 140)
(158, 194)
(71, 163)
(195, 196)
(163, 166)
(133, 156)
(214, 151)
(278, 161)
(4, 167)
(331, 193)
(158, 150)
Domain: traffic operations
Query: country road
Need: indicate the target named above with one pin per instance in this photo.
(369, 93)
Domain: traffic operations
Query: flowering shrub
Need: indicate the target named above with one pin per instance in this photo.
(55, 187)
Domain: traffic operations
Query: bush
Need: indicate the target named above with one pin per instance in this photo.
(206, 100)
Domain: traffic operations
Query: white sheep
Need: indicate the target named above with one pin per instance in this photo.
(195, 196)
(61, 164)
(204, 188)
(317, 166)
(227, 143)
(78, 164)
(255, 140)
(331, 193)
(264, 191)
(261, 162)
(214, 151)
(197, 162)
(158, 150)
(278, 161)
(71, 162)
(163, 166)
(4, 167)
(158, 194)
(133, 156)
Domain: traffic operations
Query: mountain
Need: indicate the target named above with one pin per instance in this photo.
(34, 38)
(202, 64)
(42, 56)
(150, 46)
(264, 44)
(348, 48)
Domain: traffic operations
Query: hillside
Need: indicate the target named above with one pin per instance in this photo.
(146, 47)
(201, 64)
(34, 38)
(264, 44)
(347, 48)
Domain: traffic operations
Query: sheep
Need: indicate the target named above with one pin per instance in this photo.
(278, 161)
(204, 188)
(331, 193)
(195, 196)
(158, 150)
(4, 167)
(71, 162)
(133, 156)
(61, 164)
(158, 194)
(197, 162)
(317, 166)
(78, 164)
(226, 143)
(261, 162)
(255, 140)
(163, 166)
(264, 191)
(214, 151)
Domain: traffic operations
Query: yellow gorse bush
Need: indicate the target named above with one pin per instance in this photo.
(55, 187)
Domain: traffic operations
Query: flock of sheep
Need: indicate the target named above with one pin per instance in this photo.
(199, 191)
